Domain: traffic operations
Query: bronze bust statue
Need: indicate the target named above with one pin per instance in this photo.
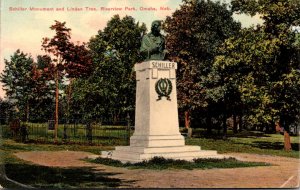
(153, 43)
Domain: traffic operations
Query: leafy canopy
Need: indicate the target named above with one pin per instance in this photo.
(110, 89)
(194, 33)
(262, 62)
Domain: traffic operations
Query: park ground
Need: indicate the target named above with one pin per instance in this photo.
(64, 166)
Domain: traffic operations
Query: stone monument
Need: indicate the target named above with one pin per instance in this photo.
(156, 113)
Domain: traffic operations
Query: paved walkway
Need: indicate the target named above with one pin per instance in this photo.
(284, 172)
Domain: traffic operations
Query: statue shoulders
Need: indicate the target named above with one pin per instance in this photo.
(150, 35)
(151, 38)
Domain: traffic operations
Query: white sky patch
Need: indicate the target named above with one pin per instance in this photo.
(248, 21)
(93, 22)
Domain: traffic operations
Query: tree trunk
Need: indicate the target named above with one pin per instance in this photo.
(267, 129)
(208, 124)
(219, 129)
(186, 119)
(56, 106)
(285, 124)
(224, 126)
(287, 141)
(240, 123)
(69, 98)
(234, 124)
(115, 117)
(27, 112)
(277, 126)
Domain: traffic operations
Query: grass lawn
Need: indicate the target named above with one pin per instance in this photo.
(247, 142)
(50, 177)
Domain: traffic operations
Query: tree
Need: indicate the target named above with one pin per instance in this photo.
(111, 86)
(42, 101)
(18, 83)
(6, 111)
(244, 83)
(194, 33)
(263, 62)
(79, 66)
(69, 58)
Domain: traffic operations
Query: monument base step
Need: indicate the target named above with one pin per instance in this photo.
(138, 154)
(175, 140)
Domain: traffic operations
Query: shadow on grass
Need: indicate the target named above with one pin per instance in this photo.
(49, 177)
(243, 134)
(249, 134)
(273, 145)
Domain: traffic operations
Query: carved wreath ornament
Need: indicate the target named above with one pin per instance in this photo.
(163, 88)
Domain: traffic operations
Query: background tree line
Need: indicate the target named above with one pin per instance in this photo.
(250, 75)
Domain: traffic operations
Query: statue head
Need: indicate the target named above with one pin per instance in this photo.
(156, 27)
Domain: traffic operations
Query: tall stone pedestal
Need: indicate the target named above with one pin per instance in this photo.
(156, 118)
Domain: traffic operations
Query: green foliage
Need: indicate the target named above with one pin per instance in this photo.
(278, 15)
(29, 86)
(7, 111)
(70, 60)
(194, 33)
(107, 161)
(18, 82)
(43, 92)
(160, 163)
(261, 64)
(110, 89)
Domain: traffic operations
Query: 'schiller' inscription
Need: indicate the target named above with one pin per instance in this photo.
(163, 65)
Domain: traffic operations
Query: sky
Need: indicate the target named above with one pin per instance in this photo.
(22, 28)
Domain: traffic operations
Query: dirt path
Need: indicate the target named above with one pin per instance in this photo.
(284, 172)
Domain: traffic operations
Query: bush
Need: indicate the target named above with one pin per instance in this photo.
(159, 163)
